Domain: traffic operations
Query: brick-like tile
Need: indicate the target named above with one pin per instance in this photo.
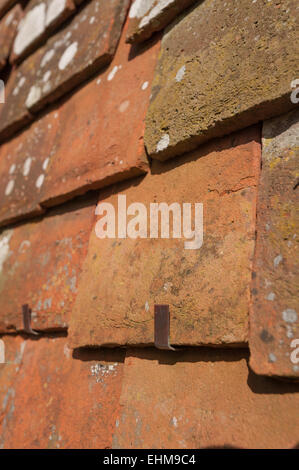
(40, 263)
(41, 17)
(67, 145)
(202, 399)
(51, 400)
(207, 289)
(13, 113)
(101, 136)
(274, 323)
(147, 17)
(5, 5)
(221, 69)
(8, 28)
(68, 58)
(24, 163)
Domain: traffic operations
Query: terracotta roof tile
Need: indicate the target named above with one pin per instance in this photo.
(41, 18)
(199, 399)
(64, 62)
(208, 299)
(40, 265)
(5, 5)
(24, 162)
(51, 400)
(149, 16)
(220, 69)
(275, 308)
(67, 146)
(8, 28)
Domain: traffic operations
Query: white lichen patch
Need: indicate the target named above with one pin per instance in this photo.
(124, 106)
(9, 187)
(46, 163)
(68, 56)
(33, 96)
(30, 28)
(140, 7)
(180, 74)
(12, 169)
(27, 166)
(40, 180)
(47, 57)
(47, 76)
(4, 247)
(155, 12)
(289, 315)
(9, 19)
(19, 86)
(163, 143)
(99, 371)
(113, 73)
(55, 9)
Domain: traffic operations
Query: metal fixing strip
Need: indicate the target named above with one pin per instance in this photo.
(162, 327)
(27, 320)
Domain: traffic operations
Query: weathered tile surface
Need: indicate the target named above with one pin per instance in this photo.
(221, 68)
(41, 17)
(207, 289)
(149, 16)
(24, 162)
(40, 265)
(100, 140)
(13, 113)
(51, 400)
(274, 312)
(8, 27)
(203, 399)
(6, 5)
(68, 58)
(66, 146)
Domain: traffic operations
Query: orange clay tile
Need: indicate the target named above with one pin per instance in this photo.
(50, 399)
(68, 59)
(198, 399)
(64, 153)
(40, 263)
(207, 289)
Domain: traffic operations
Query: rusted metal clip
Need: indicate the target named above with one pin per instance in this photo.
(27, 320)
(162, 327)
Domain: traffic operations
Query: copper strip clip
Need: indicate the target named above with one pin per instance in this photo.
(162, 327)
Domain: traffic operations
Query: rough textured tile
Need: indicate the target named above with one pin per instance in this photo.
(207, 289)
(65, 145)
(40, 19)
(112, 105)
(24, 162)
(68, 58)
(57, 401)
(221, 69)
(149, 16)
(275, 309)
(203, 399)
(5, 5)
(13, 113)
(39, 265)
(8, 27)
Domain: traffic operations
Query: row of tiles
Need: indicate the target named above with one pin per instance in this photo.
(208, 289)
(242, 56)
(41, 18)
(91, 140)
(50, 398)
